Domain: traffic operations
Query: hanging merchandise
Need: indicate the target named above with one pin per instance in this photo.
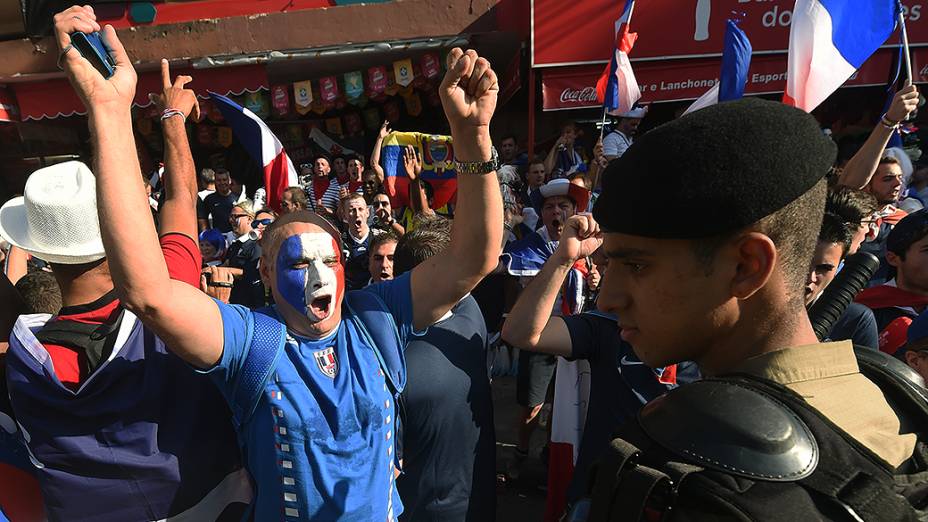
(328, 87)
(431, 67)
(413, 104)
(433, 98)
(294, 133)
(392, 111)
(354, 85)
(359, 102)
(334, 126)
(377, 79)
(144, 126)
(392, 87)
(403, 72)
(205, 134)
(224, 136)
(303, 96)
(372, 118)
(280, 99)
(257, 103)
(212, 112)
(353, 125)
(419, 81)
(406, 91)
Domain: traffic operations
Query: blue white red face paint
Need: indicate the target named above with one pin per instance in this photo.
(309, 274)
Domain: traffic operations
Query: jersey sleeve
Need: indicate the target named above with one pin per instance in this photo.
(584, 336)
(237, 330)
(397, 294)
(182, 256)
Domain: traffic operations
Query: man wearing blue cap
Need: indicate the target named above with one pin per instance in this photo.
(916, 348)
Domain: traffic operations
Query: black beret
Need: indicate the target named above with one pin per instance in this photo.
(713, 171)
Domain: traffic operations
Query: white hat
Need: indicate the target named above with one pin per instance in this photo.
(636, 112)
(56, 219)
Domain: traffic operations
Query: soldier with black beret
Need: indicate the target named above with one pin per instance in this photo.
(718, 278)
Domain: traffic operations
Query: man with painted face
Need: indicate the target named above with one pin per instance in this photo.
(318, 436)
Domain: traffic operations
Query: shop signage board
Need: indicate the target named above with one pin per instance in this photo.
(583, 32)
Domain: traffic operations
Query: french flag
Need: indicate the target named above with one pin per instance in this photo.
(263, 146)
(828, 41)
(617, 88)
(736, 59)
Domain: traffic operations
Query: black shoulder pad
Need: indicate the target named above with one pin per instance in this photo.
(875, 364)
(729, 427)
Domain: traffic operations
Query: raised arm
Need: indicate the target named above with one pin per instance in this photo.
(378, 146)
(17, 264)
(186, 319)
(862, 165)
(468, 95)
(179, 211)
(418, 201)
(551, 158)
(530, 325)
(12, 307)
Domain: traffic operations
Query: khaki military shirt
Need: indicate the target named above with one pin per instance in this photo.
(826, 375)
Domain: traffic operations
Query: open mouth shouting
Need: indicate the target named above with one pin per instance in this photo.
(308, 274)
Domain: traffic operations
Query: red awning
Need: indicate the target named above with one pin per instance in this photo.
(8, 108)
(54, 98)
(574, 87)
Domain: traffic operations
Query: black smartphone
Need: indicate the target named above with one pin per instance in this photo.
(91, 47)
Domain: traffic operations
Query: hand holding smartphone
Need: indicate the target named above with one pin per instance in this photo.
(91, 47)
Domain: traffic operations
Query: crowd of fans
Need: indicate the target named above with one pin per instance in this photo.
(212, 370)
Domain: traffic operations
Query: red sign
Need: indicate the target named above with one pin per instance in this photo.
(377, 79)
(9, 111)
(328, 87)
(280, 98)
(584, 32)
(575, 87)
(431, 68)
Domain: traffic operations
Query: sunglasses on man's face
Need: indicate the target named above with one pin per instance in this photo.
(236, 217)
(261, 222)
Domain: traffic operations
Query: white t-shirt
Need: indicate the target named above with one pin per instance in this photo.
(615, 144)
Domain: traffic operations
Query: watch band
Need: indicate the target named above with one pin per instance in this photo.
(478, 167)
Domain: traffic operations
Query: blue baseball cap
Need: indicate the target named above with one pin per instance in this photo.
(918, 330)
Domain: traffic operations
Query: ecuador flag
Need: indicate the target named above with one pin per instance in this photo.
(437, 156)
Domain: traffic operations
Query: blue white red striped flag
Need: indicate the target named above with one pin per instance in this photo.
(828, 41)
(617, 88)
(736, 59)
(262, 145)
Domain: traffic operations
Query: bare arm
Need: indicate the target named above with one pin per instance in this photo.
(12, 306)
(468, 93)
(378, 145)
(530, 325)
(551, 158)
(17, 264)
(862, 165)
(186, 319)
(418, 200)
(179, 211)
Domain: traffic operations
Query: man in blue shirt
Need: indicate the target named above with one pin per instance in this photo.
(319, 441)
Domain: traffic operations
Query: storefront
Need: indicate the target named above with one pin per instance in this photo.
(677, 56)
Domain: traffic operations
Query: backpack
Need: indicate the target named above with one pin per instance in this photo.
(766, 456)
(375, 324)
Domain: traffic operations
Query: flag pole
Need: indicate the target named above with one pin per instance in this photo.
(905, 48)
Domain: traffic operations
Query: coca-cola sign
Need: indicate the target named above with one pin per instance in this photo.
(571, 87)
(580, 96)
